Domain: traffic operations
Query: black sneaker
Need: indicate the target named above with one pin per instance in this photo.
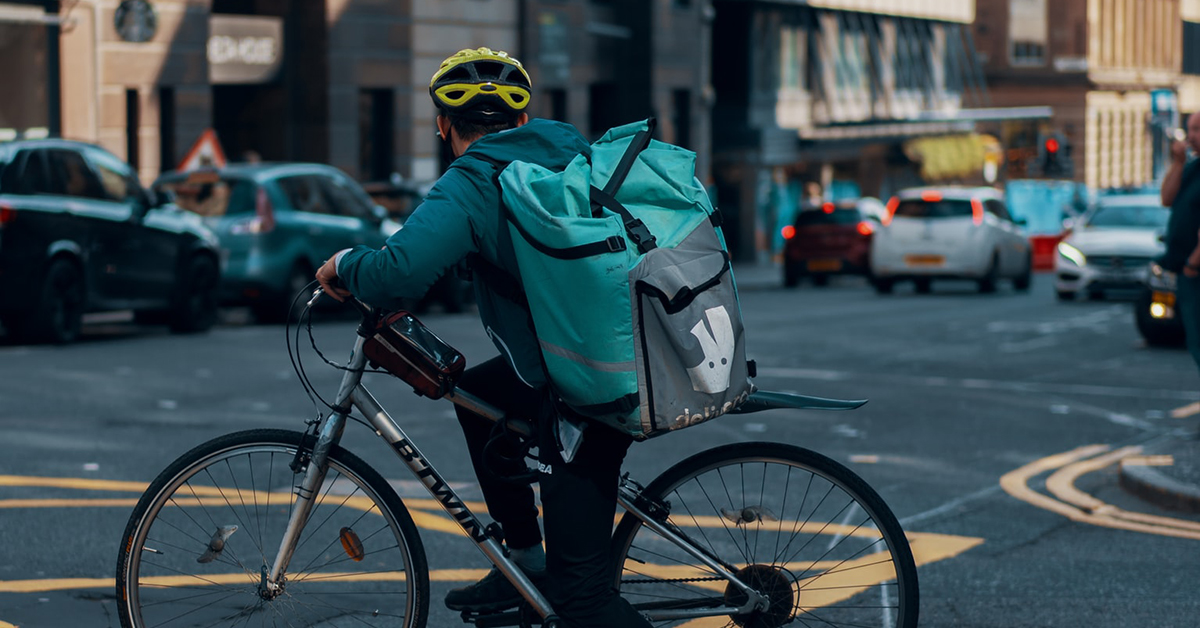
(492, 594)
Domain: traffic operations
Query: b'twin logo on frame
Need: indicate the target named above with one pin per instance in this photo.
(712, 374)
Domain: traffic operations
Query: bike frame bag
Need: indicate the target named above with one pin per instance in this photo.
(404, 347)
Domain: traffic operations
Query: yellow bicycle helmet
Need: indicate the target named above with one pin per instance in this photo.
(481, 84)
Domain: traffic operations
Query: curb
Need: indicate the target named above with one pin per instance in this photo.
(1156, 488)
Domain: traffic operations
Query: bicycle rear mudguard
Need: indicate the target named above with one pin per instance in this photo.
(761, 400)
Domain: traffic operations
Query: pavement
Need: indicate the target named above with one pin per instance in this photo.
(1168, 472)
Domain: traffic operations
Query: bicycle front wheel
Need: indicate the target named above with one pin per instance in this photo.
(800, 529)
(204, 534)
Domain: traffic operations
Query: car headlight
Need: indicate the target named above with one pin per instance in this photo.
(1072, 254)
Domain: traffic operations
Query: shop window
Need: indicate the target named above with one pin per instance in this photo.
(376, 133)
(1191, 48)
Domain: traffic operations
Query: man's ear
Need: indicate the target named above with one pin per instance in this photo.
(443, 125)
(522, 119)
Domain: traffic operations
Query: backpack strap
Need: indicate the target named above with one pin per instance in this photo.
(610, 244)
(637, 230)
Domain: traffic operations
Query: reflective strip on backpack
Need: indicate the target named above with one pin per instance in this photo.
(596, 365)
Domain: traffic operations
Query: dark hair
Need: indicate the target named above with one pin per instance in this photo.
(470, 129)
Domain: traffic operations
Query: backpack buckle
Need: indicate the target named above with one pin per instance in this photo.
(615, 243)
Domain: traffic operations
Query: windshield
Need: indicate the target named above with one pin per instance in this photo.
(1129, 216)
(820, 217)
(224, 197)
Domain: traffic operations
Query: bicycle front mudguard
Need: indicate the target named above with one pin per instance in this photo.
(769, 400)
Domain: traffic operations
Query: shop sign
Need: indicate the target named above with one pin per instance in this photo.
(244, 49)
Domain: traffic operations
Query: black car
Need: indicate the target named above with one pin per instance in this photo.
(79, 234)
(1154, 310)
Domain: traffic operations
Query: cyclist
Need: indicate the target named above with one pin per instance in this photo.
(481, 96)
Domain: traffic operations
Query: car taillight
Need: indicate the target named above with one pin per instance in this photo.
(893, 203)
(264, 216)
(977, 211)
(7, 213)
(828, 208)
(865, 228)
(788, 232)
(931, 196)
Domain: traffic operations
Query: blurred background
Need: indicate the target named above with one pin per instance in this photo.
(1052, 100)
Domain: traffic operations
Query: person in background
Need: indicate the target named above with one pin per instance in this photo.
(1181, 192)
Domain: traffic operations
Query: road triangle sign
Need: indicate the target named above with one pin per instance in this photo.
(205, 153)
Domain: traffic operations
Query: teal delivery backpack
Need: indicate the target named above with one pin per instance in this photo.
(629, 284)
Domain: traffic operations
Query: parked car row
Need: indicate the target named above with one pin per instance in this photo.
(80, 234)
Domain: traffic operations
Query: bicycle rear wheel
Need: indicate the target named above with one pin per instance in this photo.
(799, 528)
(197, 544)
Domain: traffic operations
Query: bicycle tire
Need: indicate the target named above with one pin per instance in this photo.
(800, 528)
(364, 577)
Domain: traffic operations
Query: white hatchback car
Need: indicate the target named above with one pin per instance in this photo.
(950, 233)
(1110, 246)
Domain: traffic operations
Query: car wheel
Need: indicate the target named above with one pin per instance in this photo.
(1023, 281)
(791, 276)
(58, 313)
(923, 286)
(279, 309)
(1065, 295)
(820, 280)
(195, 308)
(883, 286)
(987, 284)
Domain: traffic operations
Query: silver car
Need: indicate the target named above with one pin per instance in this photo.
(1110, 247)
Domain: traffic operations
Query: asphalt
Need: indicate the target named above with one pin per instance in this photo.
(1167, 473)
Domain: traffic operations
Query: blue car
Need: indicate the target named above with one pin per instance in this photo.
(276, 224)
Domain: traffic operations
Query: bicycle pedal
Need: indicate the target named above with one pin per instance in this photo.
(492, 619)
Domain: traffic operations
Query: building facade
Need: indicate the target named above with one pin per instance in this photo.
(843, 97)
(1109, 68)
(343, 82)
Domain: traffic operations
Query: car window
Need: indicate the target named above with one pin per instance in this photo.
(70, 175)
(116, 177)
(223, 197)
(917, 208)
(1150, 217)
(343, 199)
(303, 193)
(26, 174)
(836, 217)
(997, 209)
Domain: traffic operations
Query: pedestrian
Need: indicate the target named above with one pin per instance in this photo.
(481, 97)
(1181, 192)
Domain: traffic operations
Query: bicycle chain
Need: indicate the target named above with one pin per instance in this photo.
(671, 580)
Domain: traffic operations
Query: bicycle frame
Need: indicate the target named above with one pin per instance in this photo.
(353, 395)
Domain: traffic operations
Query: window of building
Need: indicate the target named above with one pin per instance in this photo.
(558, 104)
(1028, 32)
(681, 106)
(1191, 48)
(911, 61)
(376, 133)
(166, 128)
(793, 56)
(132, 121)
(852, 55)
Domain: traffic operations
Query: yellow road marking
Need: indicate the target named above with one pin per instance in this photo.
(1186, 411)
(865, 459)
(65, 584)
(4, 624)
(1164, 460)
(1081, 507)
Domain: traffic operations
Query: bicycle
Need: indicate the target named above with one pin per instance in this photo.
(279, 527)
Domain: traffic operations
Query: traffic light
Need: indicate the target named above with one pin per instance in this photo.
(1054, 155)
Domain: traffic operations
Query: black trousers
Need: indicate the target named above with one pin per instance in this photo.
(579, 498)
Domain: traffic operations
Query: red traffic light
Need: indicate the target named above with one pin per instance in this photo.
(1052, 145)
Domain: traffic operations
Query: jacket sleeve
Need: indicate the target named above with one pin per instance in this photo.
(442, 231)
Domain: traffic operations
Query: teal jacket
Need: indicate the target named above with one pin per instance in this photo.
(462, 216)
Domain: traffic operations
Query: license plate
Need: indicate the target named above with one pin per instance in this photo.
(924, 260)
(1166, 298)
(824, 265)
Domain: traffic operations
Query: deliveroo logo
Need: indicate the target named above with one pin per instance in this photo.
(712, 374)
